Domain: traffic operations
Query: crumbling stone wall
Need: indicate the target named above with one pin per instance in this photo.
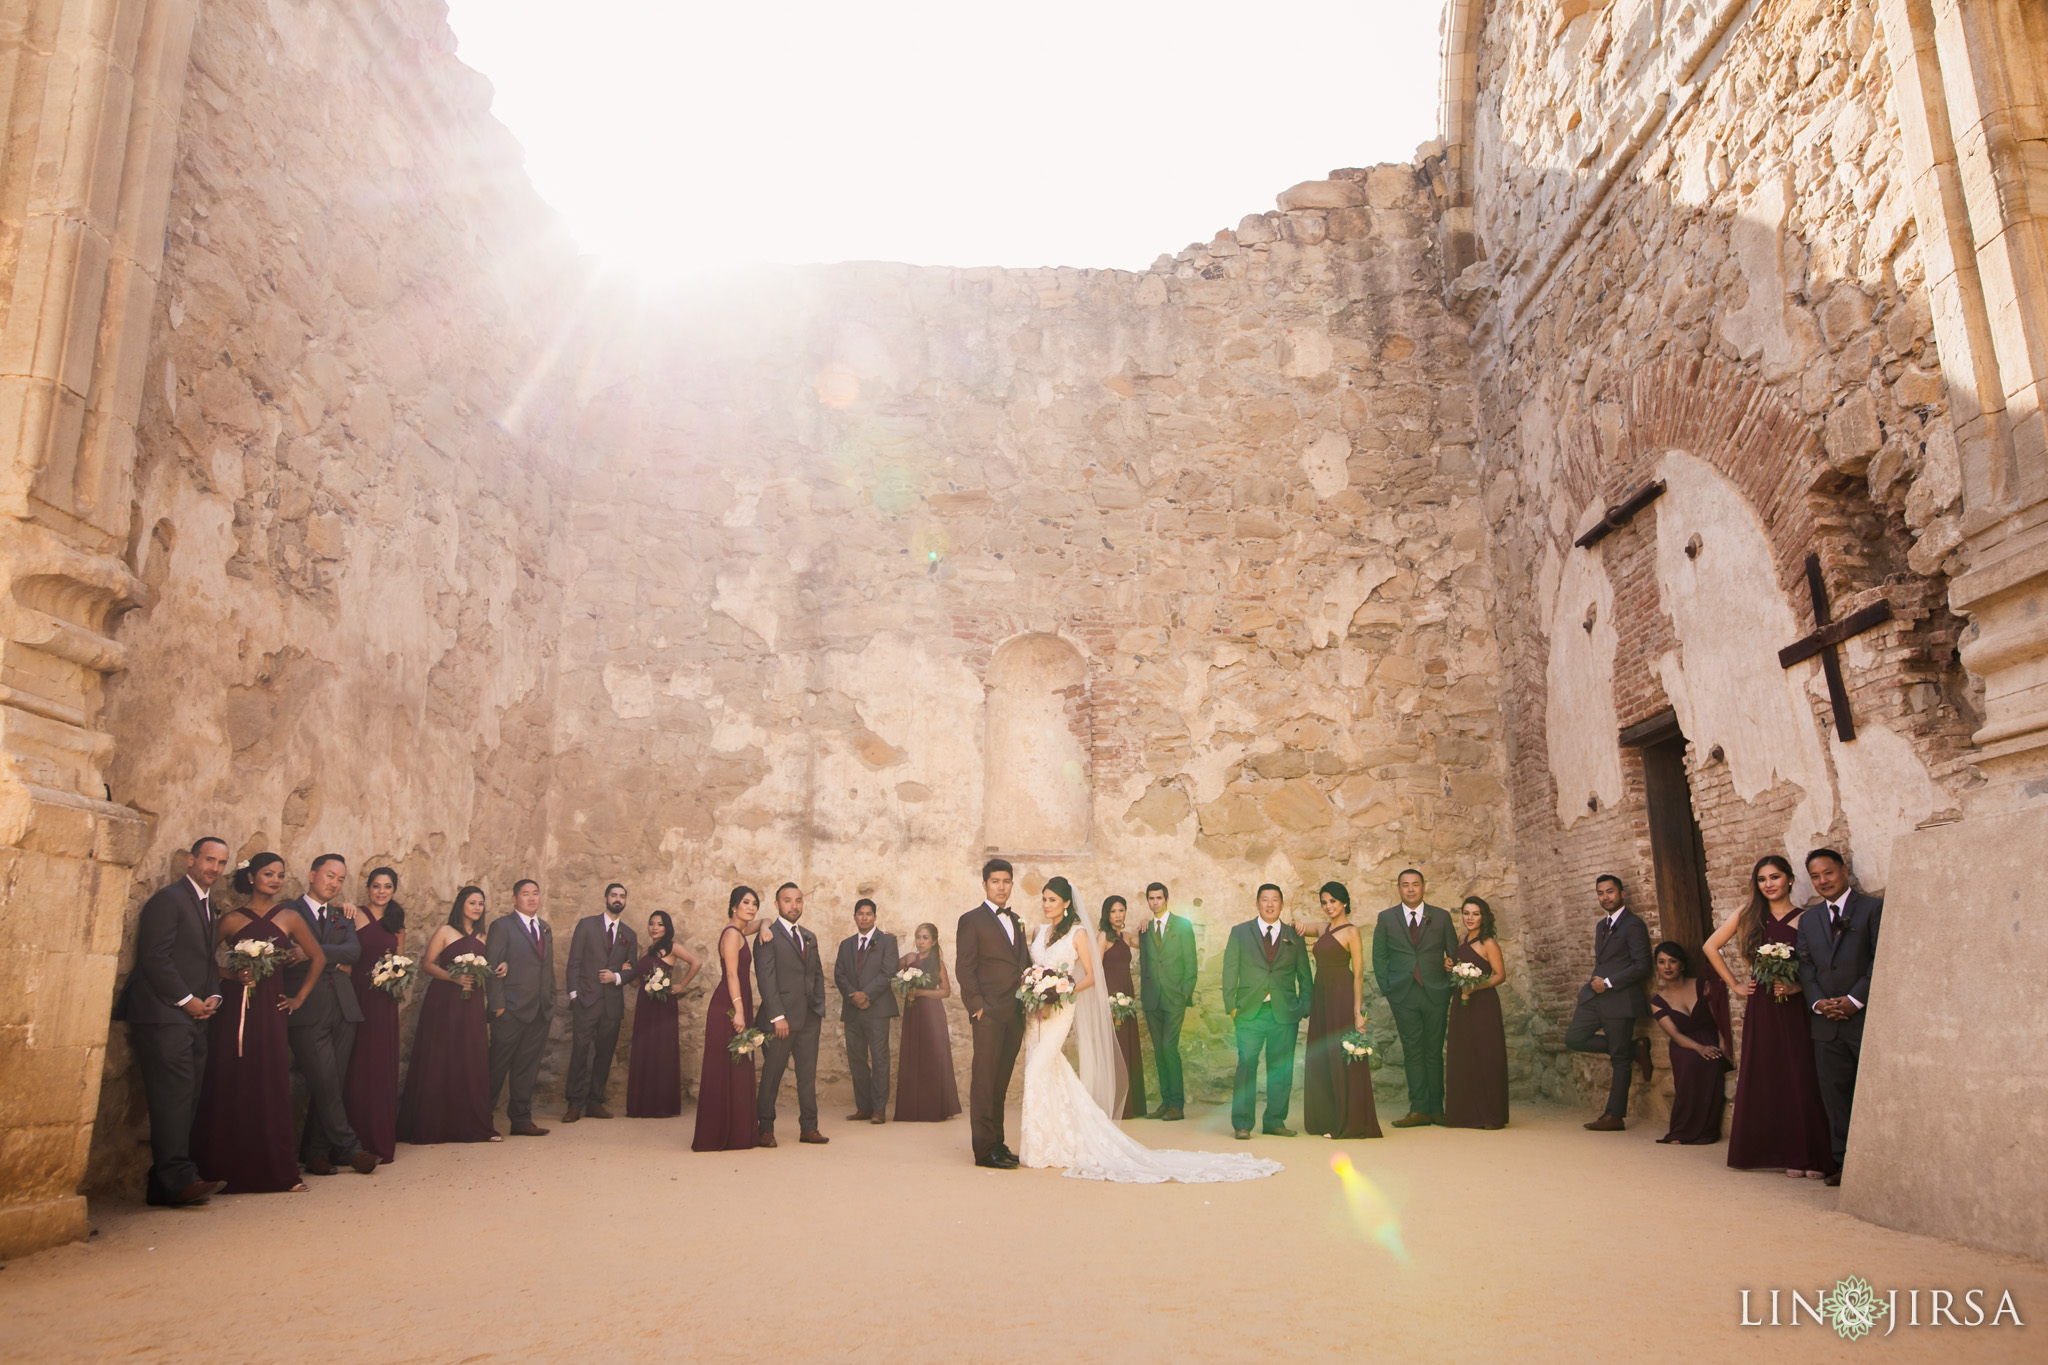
(1695, 236)
(1239, 487)
(345, 484)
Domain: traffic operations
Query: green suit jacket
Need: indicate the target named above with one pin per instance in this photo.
(1248, 979)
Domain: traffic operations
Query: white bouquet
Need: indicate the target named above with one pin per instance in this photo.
(469, 970)
(1122, 1007)
(911, 979)
(1357, 1047)
(658, 984)
(1467, 976)
(394, 973)
(1045, 989)
(256, 956)
(1776, 963)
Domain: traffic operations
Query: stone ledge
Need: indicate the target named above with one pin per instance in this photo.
(26, 1228)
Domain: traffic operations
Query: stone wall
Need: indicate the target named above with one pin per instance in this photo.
(1221, 518)
(345, 483)
(1698, 262)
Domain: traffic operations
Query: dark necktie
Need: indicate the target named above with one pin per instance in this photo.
(798, 940)
(1415, 931)
(1272, 946)
(1838, 918)
(860, 953)
(206, 916)
(533, 931)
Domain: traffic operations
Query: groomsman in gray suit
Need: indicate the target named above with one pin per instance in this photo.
(1409, 944)
(522, 1002)
(1837, 951)
(863, 972)
(323, 1030)
(1613, 999)
(790, 1004)
(602, 952)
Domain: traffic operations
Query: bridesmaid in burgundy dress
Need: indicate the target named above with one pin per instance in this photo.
(1116, 975)
(1693, 1012)
(370, 1093)
(1476, 1045)
(1338, 1088)
(654, 1074)
(448, 1084)
(1778, 1123)
(727, 1120)
(926, 1089)
(243, 1131)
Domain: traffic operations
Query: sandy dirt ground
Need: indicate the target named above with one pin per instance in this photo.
(1539, 1243)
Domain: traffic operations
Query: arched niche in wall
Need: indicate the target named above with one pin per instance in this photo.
(1039, 787)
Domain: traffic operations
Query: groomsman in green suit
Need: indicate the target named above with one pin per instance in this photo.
(1409, 945)
(1266, 990)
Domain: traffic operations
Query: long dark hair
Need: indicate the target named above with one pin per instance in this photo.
(1486, 929)
(933, 930)
(394, 913)
(1108, 901)
(245, 875)
(1064, 889)
(1749, 925)
(456, 920)
(667, 941)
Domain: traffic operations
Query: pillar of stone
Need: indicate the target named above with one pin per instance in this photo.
(1952, 1102)
(91, 133)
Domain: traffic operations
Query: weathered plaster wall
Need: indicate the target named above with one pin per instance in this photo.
(345, 485)
(1697, 262)
(1222, 515)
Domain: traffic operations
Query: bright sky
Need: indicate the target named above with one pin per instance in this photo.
(677, 136)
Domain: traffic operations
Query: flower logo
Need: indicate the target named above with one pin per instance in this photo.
(1853, 1309)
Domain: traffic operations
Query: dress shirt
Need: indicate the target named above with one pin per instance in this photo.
(206, 914)
(1839, 907)
(1003, 918)
(1612, 920)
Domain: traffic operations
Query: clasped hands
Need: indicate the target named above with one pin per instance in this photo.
(1838, 1008)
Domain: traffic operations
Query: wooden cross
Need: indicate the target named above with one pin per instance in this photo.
(1824, 641)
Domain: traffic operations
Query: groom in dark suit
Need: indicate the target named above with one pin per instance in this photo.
(602, 952)
(522, 1002)
(1166, 987)
(1612, 999)
(790, 980)
(1266, 988)
(1409, 944)
(1837, 947)
(323, 1030)
(864, 973)
(989, 956)
(171, 993)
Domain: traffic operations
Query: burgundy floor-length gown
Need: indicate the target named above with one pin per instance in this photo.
(1476, 1055)
(243, 1131)
(371, 1091)
(448, 1083)
(926, 1091)
(654, 1074)
(1338, 1088)
(1116, 974)
(1778, 1123)
(727, 1120)
(1697, 1084)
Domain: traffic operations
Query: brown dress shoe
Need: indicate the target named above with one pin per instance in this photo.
(1439, 1120)
(196, 1193)
(765, 1140)
(1281, 1131)
(1412, 1120)
(1241, 1134)
(1643, 1058)
(860, 1116)
(879, 1118)
(597, 1111)
(1834, 1179)
(1159, 1113)
(1606, 1123)
(528, 1130)
(571, 1114)
(815, 1137)
(364, 1161)
(319, 1165)
(1169, 1115)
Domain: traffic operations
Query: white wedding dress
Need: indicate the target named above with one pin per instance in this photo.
(1067, 1119)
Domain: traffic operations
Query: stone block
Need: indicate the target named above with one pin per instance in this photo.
(35, 1225)
(1319, 194)
(1299, 806)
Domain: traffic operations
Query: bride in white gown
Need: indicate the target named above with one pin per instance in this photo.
(1067, 1113)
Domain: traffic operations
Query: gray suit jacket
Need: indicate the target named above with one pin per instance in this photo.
(790, 985)
(1397, 963)
(335, 996)
(1830, 966)
(1248, 978)
(590, 954)
(173, 958)
(1622, 955)
(873, 976)
(528, 989)
(1167, 971)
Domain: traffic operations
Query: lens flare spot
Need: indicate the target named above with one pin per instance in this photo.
(837, 386)
(1370, 1211)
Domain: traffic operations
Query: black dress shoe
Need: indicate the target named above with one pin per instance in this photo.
(1834, 1179)
(990, 1163)
(1002, 1152)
